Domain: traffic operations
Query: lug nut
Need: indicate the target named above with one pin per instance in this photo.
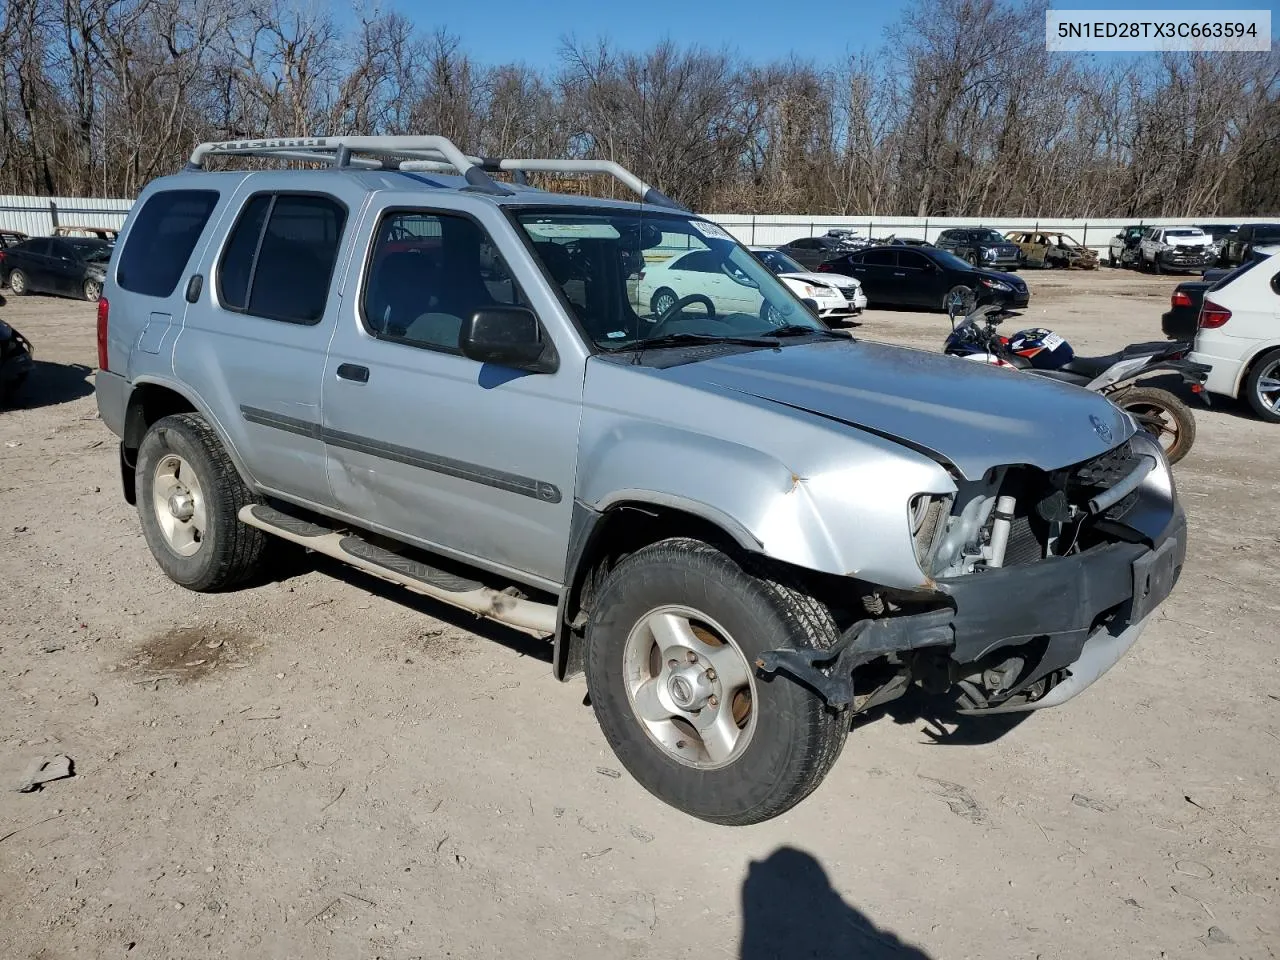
(672, 664)
(711, 674)
(713, 700)
(691, 657)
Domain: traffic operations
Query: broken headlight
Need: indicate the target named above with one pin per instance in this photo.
(927, 514)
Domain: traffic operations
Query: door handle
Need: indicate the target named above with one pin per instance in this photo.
(353, 371)
(900, 274)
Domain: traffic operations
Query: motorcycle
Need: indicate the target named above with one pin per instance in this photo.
(16, 362)
(1044, 353)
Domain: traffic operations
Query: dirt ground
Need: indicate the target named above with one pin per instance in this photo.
(327, 766)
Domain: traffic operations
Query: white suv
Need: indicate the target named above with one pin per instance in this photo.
(1239, 336)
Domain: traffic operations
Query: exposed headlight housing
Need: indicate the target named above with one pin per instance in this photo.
(989, 253)
(995, 284)
(927, 517)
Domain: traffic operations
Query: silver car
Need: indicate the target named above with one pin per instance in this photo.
(742, 526)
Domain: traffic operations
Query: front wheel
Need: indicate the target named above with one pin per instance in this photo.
(92, 290)
(1163, 416)
(672, 642)
(962, 295)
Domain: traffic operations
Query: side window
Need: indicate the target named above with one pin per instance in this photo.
(700, 261)
(279, 259)
(880, 258)
(161, 240)
(911, 260)
(60, 250)
(419, 289)
(40, 247)
(805, 244)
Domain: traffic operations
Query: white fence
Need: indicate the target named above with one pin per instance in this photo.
(36, 215)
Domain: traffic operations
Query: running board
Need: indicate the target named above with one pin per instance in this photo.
(417, 576)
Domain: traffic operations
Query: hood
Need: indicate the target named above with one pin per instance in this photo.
(972, 415)
(823, 279)
(1268, 248)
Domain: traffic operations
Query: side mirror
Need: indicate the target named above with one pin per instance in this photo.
(509, 337)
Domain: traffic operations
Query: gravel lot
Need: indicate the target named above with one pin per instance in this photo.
(328, 766)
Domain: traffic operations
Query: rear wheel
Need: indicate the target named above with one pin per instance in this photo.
(189, 500)
(1262, 387)
(1163, 416)
(1111, 259)
(17, 283)
(672, 642)
(92, 290)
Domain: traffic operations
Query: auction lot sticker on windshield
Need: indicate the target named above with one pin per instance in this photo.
(1103, 31)
(710, 230)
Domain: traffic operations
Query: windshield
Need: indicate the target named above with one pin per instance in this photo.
(629, 277)
(779, 262)
(1184, 233)
(989, 236)
(1269, 232)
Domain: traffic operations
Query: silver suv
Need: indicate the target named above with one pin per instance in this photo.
(742, 526)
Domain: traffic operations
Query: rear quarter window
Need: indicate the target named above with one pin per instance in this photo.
(161, 240)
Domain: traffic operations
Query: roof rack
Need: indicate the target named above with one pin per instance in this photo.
(410, 153)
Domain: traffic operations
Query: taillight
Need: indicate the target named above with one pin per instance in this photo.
(1181, 299)
(104, 310)
(824, 268)
(1213, 316)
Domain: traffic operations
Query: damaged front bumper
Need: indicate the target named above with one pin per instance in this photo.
(1014, 638)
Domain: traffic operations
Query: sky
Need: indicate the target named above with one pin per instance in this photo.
(826, 31)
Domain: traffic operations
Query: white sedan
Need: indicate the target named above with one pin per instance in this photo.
(837, 296)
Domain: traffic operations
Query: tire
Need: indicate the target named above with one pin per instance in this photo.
(973, 259)
(184, 453)
(1265, 370)
(1163, 415)
(18, 285)
(792, 737)
(970, 298)
(1157, 266)
(1112, 262)
(663, 295)
(92, 290)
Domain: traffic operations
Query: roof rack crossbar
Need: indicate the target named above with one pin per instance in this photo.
(620, 173)
(341, 152)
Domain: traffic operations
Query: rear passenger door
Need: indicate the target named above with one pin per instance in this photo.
(254, 344)
(470, 459)
(875, 269)
(37, 265)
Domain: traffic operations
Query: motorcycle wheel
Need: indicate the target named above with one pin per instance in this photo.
(1163, 416)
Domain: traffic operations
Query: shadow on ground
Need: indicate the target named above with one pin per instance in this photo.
(49, 384)
(789, 909)
(290, 563)
(939, 714)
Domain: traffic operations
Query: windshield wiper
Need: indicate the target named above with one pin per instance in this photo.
(687, 339)
(801, 330)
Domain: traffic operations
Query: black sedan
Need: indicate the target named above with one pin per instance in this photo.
(73, 267)
(811, 251)
(1183, 316)
(926, 277)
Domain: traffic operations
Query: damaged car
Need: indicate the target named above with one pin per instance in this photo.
(1047, 249)
(742, 526)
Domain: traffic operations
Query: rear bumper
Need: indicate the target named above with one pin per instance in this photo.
(1180, 324)
(112, 394)
(1070, 619)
